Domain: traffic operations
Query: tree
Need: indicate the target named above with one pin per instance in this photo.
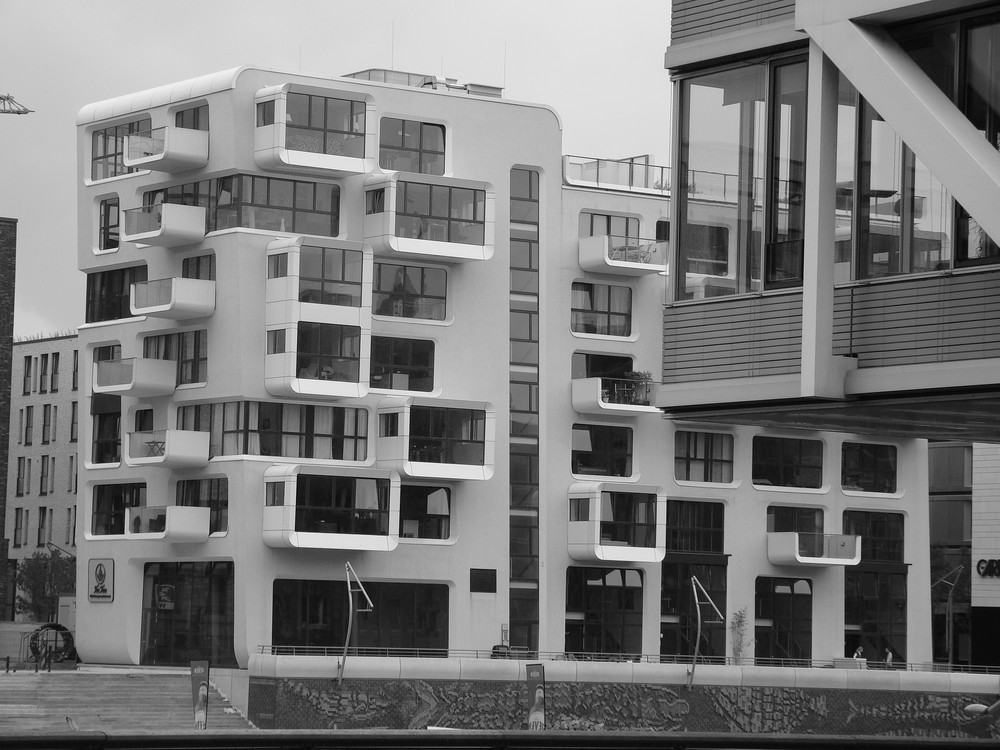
(41, 580)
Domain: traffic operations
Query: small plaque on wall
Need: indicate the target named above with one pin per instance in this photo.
(101, 580)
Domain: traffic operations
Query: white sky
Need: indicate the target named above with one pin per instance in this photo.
(599, 64)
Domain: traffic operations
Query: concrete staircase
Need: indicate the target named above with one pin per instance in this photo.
(107, 700)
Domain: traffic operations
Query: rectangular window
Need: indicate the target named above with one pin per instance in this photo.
(43, 484)
(628, 518)
(608, 225)
(277, 266)
(110, 502)
(881, 535)
(330, 276)
(109, 222)
(189, 349)
(46, 423)
(315, 613)
(678, 616)
(601, 309)
(409, 291)
(74, 416)
(703, 456)
(207, 493)
(108, 294)
(199, 267)
(785, 605)
(108, 149)
(19, 520)
(787, 462)
(20, 488)
(411, 146)
(275, 341)
(603, 610)
(70, 538)
(44, 525)
(324, 125)
(695, 526)
(107, 413)
(450, 436)
(29, 414)
(43, 373)
(193, 118)
(76, 370)
(54, 377)
(26, 379)
(329, 352)
(868, 467)
(424, 512)
(71, 474)
(440, 213)
(265, 114)
(603, 450)
(342, 505)
(402, 364)
(374, 201)
(275, 429)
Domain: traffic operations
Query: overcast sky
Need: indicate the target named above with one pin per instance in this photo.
(599, 64)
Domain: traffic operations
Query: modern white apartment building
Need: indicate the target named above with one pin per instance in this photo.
(42, 469)
(380, 320)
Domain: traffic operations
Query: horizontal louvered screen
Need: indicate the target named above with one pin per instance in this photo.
(919, 320)
(691, 19)
(732, 338)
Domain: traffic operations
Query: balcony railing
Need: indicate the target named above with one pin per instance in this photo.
(174, 298)
(447, 451)
(169, 523)
(801, 548)
(628, 533)
(135, 376)
(166, 149)
(164, 225)
(629, 174)
(342, 520)
(169, 448)
(629, 256)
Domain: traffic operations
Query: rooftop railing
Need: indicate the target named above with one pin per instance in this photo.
(630, 174)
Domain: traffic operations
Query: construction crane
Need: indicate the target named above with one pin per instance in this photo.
(9, 106)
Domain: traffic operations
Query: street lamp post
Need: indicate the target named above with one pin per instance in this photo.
(949, 607)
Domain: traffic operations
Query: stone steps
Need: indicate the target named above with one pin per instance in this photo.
(119, 702)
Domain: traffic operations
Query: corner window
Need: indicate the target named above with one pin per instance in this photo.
(411, 146)
(441, 213)
(601, 309)
(402, 364)
(189, 349)
(108, 149)
(324, 125)
(449, 436)
(207, 493)
(409, 291)
(110, 502)
(868, 467)
(602, 450)
(787, 462)
(703, 456)
(342, 505)
(628, 518)
(603, 610)
(108, 293)
(424, 512)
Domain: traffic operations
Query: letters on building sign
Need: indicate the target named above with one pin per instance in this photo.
(988, 568)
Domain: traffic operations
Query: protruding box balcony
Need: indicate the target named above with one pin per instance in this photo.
(164, 225)
(168, 523)
(175, 298)
(286, 376)
(459, 232)
(800, 548)
(626, 397)
(617, 522)
(279, 145)
(367, 525)
(167, 149)
(626, 256)
(172, 449)
(460, 446)
(135, 376)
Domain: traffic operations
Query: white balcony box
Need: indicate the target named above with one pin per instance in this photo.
(795, 548)
(167, 149)
(625, 256)
(172, 449)
(174, 298)
(612, 396)
(164, 225)
(168, 523)
(136, 376)
(283, 377)
(598, 531)
(363, 526)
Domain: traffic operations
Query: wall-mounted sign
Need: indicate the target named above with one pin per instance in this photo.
(988, 568)
(101, 580)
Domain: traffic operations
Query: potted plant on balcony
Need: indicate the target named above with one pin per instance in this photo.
(640, 380)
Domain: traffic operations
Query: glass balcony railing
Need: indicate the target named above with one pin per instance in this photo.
(636, 250)
(146, 143)
(151, 520)
(628, 391)
(153, 293)
(144, 219)
(148, 444)
(632, 174)
(342, 520)
(114, 372)
(628, 534)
